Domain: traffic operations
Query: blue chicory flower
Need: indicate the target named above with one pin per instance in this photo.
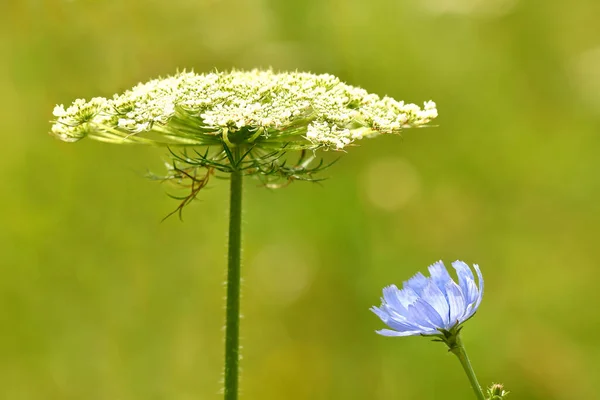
(428, 306)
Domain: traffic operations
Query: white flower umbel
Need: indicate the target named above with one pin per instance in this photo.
(297, 110)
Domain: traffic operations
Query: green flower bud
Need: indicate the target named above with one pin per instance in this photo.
(497, 392)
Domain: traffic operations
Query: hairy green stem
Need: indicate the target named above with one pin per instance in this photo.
(459, 350)
(232, 320)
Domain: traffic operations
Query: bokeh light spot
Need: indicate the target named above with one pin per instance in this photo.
(585, 75)
(488, 8)
(281, 272)
(390, 183)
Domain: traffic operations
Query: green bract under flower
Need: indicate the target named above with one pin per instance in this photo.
(262, 108)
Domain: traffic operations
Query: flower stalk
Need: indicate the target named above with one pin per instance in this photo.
(458, 349)
(232, 313)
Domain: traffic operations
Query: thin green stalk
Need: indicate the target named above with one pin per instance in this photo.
(459, 350)
(232, 320)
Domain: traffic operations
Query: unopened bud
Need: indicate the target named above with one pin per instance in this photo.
(497, 392)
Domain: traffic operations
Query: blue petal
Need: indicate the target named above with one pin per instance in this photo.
(480, 278)
(387, 332)
(440, 275)
(469, 312)
(390, 296)
(393, 319)
(466, 281)
(398, 300)
(403, 300)
(425, 315)
(382, 314)
(434, 297)
(400, 326)
(457, 304)
(417, 283)
(393, 311)
(407, 296)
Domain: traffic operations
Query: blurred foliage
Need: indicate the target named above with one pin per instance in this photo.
(99, 300)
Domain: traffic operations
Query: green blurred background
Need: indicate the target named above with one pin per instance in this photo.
(99, 300)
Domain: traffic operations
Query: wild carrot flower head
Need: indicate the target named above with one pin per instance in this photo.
(431, 305)
(245, 121)
(300, 110)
